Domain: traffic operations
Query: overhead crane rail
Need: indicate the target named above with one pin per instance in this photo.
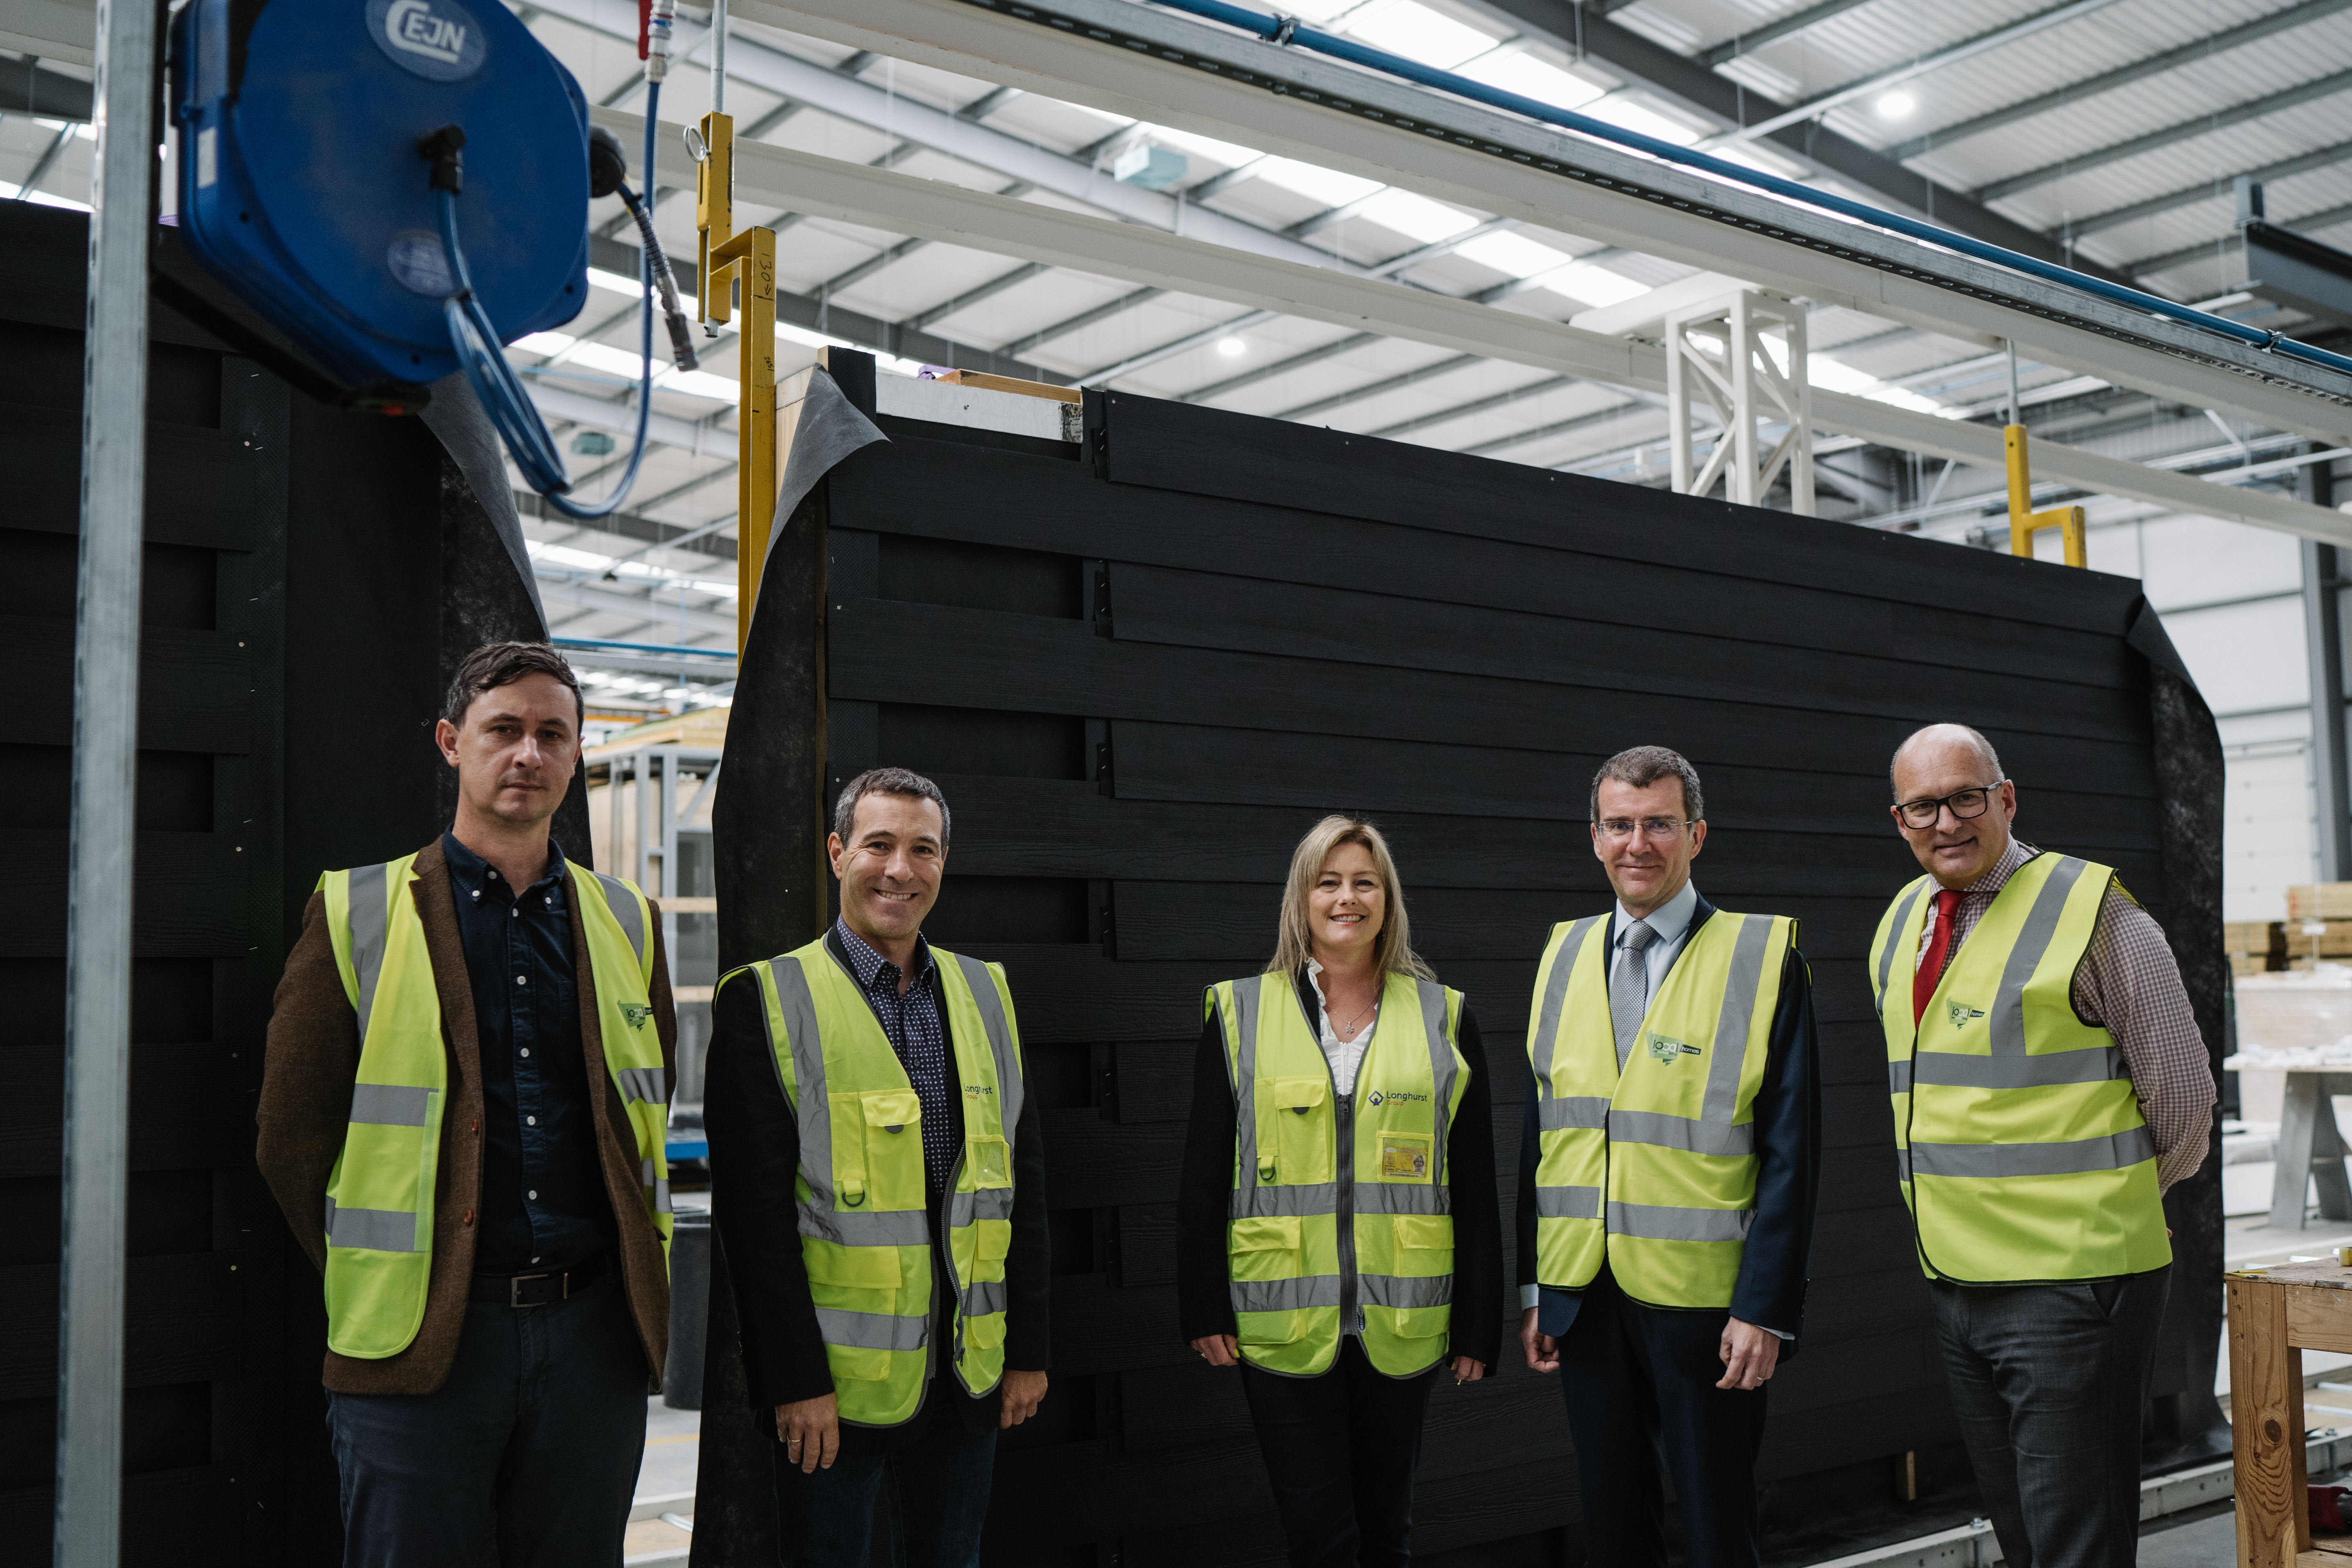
(1615, 158)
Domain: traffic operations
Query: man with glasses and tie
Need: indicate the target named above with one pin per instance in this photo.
(2049, 1084)
(1666, 1177)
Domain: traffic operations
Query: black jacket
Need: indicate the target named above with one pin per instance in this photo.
(1203, 1300)
(1770, 1291)
(755, 1152)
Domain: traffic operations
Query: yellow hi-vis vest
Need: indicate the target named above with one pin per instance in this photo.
(865, 1239)
(380, 1196)
(2020, 1147)
(1653, 1169)
(1340, 1213)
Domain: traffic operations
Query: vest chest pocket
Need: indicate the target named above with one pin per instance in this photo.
(1298, 1136)
(878, 1148)
(992, 1161)
(1425, 1243)
(1265, 1247)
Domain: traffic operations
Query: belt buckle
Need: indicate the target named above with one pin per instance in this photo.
(515, 1285)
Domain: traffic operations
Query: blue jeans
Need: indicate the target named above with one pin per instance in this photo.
(939, 1500)
(543, 1419)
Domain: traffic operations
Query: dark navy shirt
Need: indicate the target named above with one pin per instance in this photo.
(543, 1203)
(916, 1033)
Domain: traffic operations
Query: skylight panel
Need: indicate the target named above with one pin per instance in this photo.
(1531, 77)
(1513, 254)
(1417, 216)
(1420, 34)
(1329, 186)
(1595, 285)
(1232, 154)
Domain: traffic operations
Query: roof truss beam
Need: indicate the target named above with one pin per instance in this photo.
(851, 192)
(2115, 153)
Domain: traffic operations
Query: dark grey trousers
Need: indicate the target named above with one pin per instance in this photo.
(2048, 1382)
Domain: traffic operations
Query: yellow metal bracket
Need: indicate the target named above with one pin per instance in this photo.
(752, 257)
(714, 215)
(2024, 522)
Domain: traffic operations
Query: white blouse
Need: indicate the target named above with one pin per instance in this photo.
(1345, 1056)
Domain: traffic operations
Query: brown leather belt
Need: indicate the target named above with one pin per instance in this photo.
(537, 1290)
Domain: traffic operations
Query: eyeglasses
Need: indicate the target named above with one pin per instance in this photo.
(1966, 804)
(1618, 829)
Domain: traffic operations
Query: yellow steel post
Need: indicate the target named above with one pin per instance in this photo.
(714, 215)
(2024, 522)
(752, 255)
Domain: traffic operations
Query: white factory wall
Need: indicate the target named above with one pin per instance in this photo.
(2232, 600)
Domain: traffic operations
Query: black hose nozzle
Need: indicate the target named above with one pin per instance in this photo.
(445, 150)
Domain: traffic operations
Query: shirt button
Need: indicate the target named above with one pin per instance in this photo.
(469, 1218)
(514, 915)
(526, 1050)
(532, 1195)
(531, 1121)
(523, 980)
(493, 876)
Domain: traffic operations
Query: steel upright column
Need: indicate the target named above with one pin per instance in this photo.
(105, 770)
(2324, 643)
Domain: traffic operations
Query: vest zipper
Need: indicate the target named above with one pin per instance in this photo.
(1350, 1313)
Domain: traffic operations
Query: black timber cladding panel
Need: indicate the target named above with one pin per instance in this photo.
(1269, 622)
(311, 579)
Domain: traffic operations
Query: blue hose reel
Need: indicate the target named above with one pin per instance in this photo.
(400, 186)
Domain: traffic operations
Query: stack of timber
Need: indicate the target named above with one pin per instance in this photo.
(2257, 947)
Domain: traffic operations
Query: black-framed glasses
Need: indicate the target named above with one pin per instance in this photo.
(1966, 804)
(1621, 828)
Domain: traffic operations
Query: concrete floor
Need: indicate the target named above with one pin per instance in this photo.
(664, 1486)
(2202, 1544)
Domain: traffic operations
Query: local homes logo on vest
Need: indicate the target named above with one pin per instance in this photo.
(637, 1014)
(1960, 1013)
(1671, 1051)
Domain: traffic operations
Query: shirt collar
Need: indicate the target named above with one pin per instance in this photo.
(471, 872)
(2017, 853)
(867, 963)
(1669, 920)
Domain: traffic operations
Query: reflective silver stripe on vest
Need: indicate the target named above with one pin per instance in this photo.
(1546, 1034)
(2007, 1023)
(1954, 1069)
(982, 1297)
(986, 1203)
(648, 1085)
(856, 1228)
(623, 905)
(1732, 1022)
(390, 1105)
(370, 911)
(1009, 1088)
(1285, 1295)
(813, 1110)
(1659, 1222)
(372, 1230)
(1568, 1203)
(1441, 1072)
(1898, 1077)
(1402, 1197)
(1664, 1132)
(1894, 939)
(1245, 1005)
(1573, 1111)
(1262, 1202)
(2112, 1152)
(648, 1175)
(1405, 1289)
(872, 1331)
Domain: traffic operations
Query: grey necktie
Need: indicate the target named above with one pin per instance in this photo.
(1629, 987)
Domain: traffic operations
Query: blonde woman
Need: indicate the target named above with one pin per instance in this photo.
(1336, 1229)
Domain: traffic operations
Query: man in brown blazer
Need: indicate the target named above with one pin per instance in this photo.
(477, 1168)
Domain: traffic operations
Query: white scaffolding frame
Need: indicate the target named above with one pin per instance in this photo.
(1722, 351)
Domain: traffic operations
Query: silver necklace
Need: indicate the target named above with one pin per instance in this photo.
(1350, 1026)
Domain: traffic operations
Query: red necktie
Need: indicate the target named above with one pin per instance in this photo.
(1939, 948)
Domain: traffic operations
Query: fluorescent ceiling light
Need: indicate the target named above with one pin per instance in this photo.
(1531, 77)
(1329, 186)
(1417, 216)
(701, 383)
(1514, 254)
(1420, 34)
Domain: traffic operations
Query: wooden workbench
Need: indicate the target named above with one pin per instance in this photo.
(2275, 1316)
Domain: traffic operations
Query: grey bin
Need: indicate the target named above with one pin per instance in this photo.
(689, 1310)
